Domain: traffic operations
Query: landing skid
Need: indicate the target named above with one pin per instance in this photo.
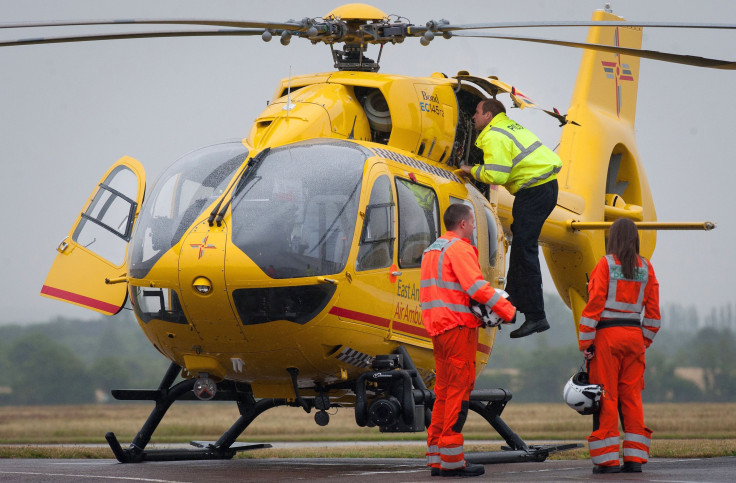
(205, 451)
(164, 397)
(488, 403)
(507, 455)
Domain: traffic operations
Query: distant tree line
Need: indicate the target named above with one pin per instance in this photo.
(71, 361)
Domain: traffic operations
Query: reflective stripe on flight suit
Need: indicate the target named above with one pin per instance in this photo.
(621, 305)
(604, 451)
(454, 354)
(450, 275)
(445, 296)
(445, 292)
(636, 447)
(433, 456)
(610, 322)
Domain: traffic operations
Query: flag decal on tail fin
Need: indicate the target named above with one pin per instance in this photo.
(618, 72)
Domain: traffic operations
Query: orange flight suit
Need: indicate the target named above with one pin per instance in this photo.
(612, 323)
(450, 276)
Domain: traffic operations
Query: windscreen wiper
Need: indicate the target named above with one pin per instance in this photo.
(217, 214)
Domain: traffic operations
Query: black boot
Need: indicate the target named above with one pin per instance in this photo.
(598, 470)
(631, 467)
(469, 470)
(529, 327)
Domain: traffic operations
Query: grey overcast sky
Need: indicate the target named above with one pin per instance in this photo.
(68, 111)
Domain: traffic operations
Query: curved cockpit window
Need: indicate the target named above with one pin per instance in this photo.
(180, 195)
(418, 221)
(294, 211)
(492, 237)
(377, 241)
(105, 226)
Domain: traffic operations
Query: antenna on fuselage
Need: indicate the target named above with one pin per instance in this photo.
(289, 105)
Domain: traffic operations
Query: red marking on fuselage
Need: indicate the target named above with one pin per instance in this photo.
(360, 317)
(80, 299)
(384, 323)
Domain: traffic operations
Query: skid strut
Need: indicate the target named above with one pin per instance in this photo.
(489, 403)
(164, 397)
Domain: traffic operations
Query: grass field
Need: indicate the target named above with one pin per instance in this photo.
(680, 430)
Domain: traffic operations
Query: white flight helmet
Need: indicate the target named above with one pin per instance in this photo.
(582, 396)
(485, 314)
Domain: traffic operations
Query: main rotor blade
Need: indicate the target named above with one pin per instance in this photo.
(586, 23)
(213, 23)
(131, 35)
(646, 54)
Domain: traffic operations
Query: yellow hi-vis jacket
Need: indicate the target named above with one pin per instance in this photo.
(514, 157)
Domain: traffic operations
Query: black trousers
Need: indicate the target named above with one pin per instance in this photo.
(531, 208)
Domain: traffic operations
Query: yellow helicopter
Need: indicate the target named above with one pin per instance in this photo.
(284, 269)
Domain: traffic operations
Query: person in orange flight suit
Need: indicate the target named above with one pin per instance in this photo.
(450, 276)
(614, 337)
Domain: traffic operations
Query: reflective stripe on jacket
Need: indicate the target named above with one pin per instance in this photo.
(450, 276)
(613, 297)
(513, 156)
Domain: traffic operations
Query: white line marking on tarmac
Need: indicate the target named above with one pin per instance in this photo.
(387, 472)
(101, 477)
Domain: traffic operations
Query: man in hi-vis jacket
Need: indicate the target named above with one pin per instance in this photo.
(515, 158)
(450, 277)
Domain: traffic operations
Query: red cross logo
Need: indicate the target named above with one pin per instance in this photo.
(202, 246)
(619, 72)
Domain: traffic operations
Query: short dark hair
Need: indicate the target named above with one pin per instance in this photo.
(493, 106)
(454, 214)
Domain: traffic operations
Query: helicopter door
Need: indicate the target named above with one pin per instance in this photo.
(369, 301)
(95, 249)
(418, 228)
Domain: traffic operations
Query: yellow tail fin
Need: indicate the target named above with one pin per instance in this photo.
(602, 178)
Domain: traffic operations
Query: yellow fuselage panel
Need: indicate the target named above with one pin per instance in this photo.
(423, 111)
(75, 267)
(315, 111)
(370, 312)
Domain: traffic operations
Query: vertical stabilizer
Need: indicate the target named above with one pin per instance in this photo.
(609, 82)
(602, 178)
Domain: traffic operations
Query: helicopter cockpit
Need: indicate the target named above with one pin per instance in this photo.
(179, 196)
(290, 220)
(294, 211)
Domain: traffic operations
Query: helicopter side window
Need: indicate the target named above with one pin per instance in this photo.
(418, 221)
(492, 237)
(106, 224)
(377, 240)
(474, 237)
(157, 303)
